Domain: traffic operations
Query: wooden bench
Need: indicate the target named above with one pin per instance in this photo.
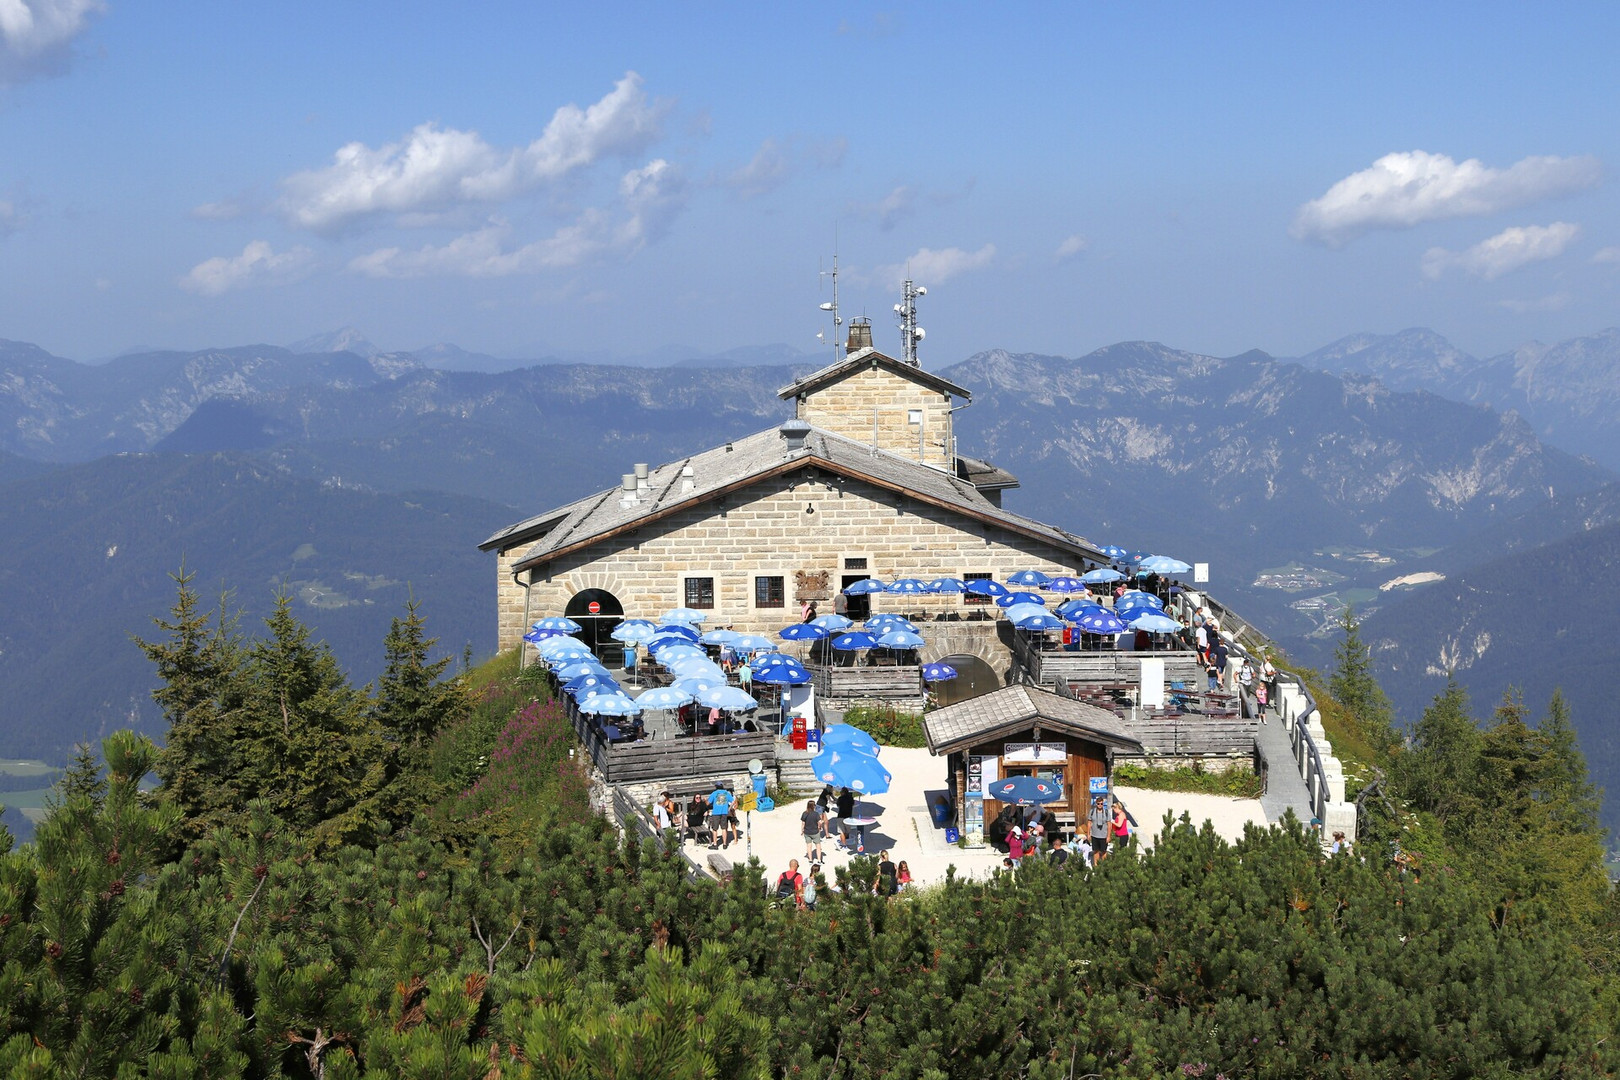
(720, 866)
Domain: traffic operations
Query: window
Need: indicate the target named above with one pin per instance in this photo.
(769, 592)
(700, 593)
(854, 564)
(975, 598)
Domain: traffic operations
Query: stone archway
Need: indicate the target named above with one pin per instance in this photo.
(599, 612)
(974, 676)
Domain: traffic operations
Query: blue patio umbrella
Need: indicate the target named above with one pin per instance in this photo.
(849, 768)
(835, 623)
(695, 665)
(803, 631)
(1030, 579)
(684, 614)
(882, 624)
(693, 685)
(788, 674)
(569, 655)
(553, 646)
(589, 682)
(1137, 556)
(848, 735)
(558, 622)
(667, 627)
(865, 587)
(766, 659)
(659, 642)
(720, 637)
(947, 585)
(986, 587)
(1024, 790)
(901, 639)
(1153, 622)
(580, 667)
(1136, 600)
(609, 705)
(1114, 552)
(665, 697)
(858, 639)
(1066, 585)
(938, 672)
(907, 587)
(535, 637)
(1163, 564)
(753, 643)
(1023, 611)
(728, 698)
(1073, 609)
(1043, 621)
(1101, 621)
(1103, 575)
(1020, 598)
(634, 631)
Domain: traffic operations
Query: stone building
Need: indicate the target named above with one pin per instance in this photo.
(864, 481)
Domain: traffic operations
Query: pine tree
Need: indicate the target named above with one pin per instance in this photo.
(1562, 779)
(83, 777)
(196, 665)
(1441, 773)
(306, 745)
(1356, 688)
(413, 703)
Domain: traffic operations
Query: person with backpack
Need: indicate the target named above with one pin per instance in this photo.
(1100, 819)
(790, 886)
(807, 895)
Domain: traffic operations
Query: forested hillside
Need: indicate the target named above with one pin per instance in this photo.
(409, 882)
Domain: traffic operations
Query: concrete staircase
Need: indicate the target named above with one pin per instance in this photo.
(793, 772)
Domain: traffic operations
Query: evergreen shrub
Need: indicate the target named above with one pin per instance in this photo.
(888, 725)
(1239, 783)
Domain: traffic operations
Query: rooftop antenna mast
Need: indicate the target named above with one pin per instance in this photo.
(910, 332)
(838, 341)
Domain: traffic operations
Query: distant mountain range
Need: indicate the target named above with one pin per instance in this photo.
(1569, 392)
(1306, 485)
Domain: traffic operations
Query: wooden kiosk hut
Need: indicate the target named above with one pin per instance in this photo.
(1023, 731)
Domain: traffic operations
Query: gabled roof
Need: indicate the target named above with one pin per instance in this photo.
(869, 358)
(744, 462)
(1016, 708)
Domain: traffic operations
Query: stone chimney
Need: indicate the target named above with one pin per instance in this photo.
(860, 335)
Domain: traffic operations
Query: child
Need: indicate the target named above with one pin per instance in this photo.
(1260, 695)
(904, 873)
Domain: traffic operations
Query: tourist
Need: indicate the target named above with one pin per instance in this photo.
(809, 612)
(661, 812)
(815, 829)
(846, 810)
(1015, 844)
(1082, 849)
(719, 811)
(1260, 700)
(697, 811)
(903, 875)
(887, 882)
(1219, 653)
(1339, 844)
(1058, 856)
(745, 676)
(1099, 829)
(1245, 677)
(807, 895)
(1214, 675)
(1121, 827)
(790, 886)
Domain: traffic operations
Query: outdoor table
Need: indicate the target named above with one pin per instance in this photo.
(859, 824)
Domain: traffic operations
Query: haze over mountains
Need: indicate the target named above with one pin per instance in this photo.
(1305, 484)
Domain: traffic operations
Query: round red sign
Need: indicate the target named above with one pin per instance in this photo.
(595, 608)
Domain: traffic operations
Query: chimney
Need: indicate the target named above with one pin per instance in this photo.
(860, 335)
(795, 432)
(641, 476)
(688, 478)
(627, 489)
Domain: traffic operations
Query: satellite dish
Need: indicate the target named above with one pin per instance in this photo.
(755, 766)
(921, 333)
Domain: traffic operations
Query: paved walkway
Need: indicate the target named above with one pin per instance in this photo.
(1285, 788)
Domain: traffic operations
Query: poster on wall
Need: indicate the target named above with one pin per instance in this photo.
(980, 771)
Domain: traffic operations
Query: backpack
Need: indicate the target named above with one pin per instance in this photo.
(810, 889)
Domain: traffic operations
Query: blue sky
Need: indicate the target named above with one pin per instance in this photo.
(517, 178)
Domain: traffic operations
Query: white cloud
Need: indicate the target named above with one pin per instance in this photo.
(1405, 189)
(1606, 255)
(930, 267)
(651, 197)
(434, 168)
(257, 265)
(227, 210)
(1072, 246)
(1505, 252)
(1555, 302)
(36, 36)
(768, 170)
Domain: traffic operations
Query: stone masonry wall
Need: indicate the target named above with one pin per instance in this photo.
(848, 407)
(770, 530)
